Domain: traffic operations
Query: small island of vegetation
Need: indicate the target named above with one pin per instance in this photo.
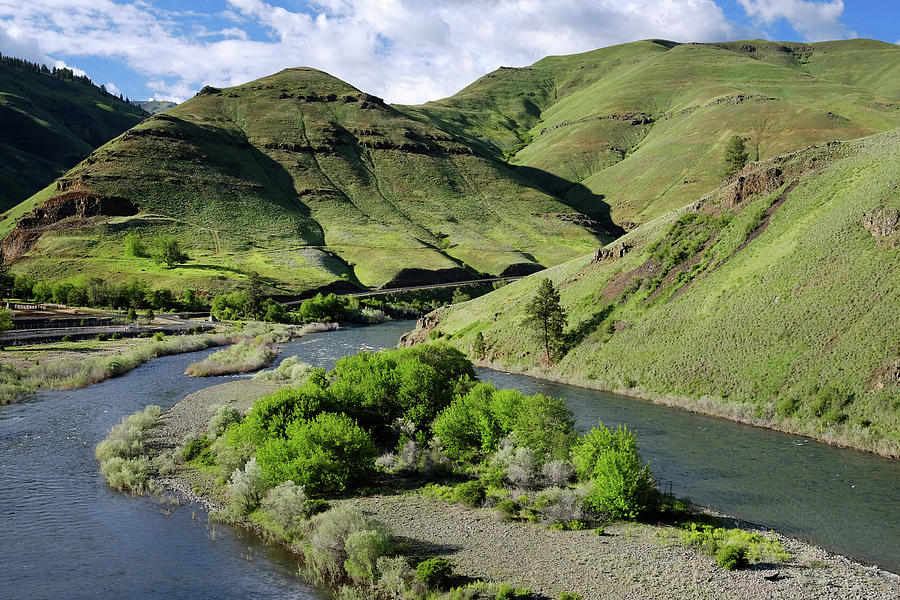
(411, 424)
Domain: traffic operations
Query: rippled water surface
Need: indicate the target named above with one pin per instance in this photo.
(66, 535)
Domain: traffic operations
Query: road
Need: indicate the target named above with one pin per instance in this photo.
(413, 288)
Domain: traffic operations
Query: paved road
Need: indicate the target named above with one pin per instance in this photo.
(413, 288)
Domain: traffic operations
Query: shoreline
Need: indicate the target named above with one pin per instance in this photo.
(703, 406)
(636, 560)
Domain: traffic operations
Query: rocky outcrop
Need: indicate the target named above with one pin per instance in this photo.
(53, 214)
(884, 224)
(611, 252)
(424, 326)
(753, 183)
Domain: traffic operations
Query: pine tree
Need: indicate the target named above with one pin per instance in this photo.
(479, 349)
(735, 155)
(253, 300)
(6, 279)
(547, 318)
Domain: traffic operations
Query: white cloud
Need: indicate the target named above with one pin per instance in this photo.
(815, 21)
(112, 88)
(404, 50)
(14, 42)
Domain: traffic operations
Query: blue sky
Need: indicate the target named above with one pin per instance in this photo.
(404, 50)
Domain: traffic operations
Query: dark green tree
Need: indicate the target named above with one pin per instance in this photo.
(169, 252)
(149, 315)
(547, 318)
(254, 297)
(478, 346)
(735, 155)
(132, 315)
(6, 279)
(6, 322)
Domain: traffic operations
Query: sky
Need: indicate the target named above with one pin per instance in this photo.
(406, 51)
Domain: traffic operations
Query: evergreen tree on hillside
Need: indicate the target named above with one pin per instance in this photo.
(253, 300)
(6, 279)
(547, 318)
(735, 155)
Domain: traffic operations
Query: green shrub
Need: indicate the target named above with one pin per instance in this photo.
(246, 487)
(314, 506)
(102, 337)
(194, 447)
(508, 508)
(364, 548)
(754, 546)
(329, 453)
(434, 572)
(731, 556)
(225, 417)
(68, 338)
(570, 596)
(327, 553)
(470, 493)
(127, 474)
(125, 440)
(286, 505)
(610, 459)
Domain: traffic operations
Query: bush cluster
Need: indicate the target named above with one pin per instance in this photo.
(733, 548)
(323, 435)
(121, 454)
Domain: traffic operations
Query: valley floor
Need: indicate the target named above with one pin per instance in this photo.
(630, 561)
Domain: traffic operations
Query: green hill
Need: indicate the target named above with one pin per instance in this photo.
(772, 300)
(302, 178)
(50, 122)
(641, 127)
(154, 106)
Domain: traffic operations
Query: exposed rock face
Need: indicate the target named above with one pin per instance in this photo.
(424, 326)
(52, 213)
(751, 184)
(611, 252)
(884, 224)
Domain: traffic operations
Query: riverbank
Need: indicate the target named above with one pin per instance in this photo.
(25, 370)
(631, 560)
(711, 406)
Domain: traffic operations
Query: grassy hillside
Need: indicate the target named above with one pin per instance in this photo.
(772, 300)
(154, 106)
(49, 124)
(302, 178)
(640, 129)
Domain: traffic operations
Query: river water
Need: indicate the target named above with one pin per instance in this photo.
(65, 534)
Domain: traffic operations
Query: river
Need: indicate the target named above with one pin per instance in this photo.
(66, 534)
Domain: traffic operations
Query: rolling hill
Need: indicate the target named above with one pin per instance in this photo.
(304, 179)
(771, 300)
(317, 185)
(50, 122)
(642, 127)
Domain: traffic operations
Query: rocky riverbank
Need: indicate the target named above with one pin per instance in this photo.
(631, 560)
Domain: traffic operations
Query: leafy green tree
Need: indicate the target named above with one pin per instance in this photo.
(254, 297)
(623, 482)
(168, 252)
(132, 315)
(6, 322)
(547, 318)
(735, 155)
(478, 346)
(134, 246)
(149, 315)
(329, 453)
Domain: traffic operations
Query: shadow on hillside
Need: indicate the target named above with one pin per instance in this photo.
(584, 328)
(231, 158)
(574, 195)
